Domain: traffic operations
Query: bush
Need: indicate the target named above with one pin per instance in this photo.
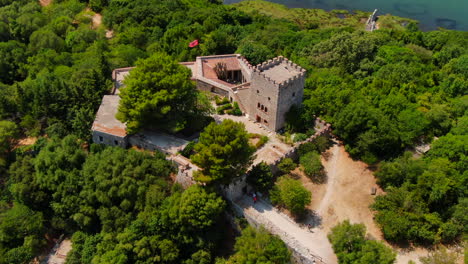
(236, 111)
(222, 101)
(319, 144)
(291, 194)
(221, 110)
(298, 137)
(262, 140)
(312, 166)
(286, 165)
(188, 150)
(261, 177)
(350, 245)
(258, 246)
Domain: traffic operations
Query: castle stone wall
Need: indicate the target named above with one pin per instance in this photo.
(108, 139)
(289, 94)
(203, 86)
(264, 92)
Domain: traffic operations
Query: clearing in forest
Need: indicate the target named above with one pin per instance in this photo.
(347, 195)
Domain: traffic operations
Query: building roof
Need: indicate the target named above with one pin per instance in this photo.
(105, 118)
(282, 71)
(192, 66)
(118, 75)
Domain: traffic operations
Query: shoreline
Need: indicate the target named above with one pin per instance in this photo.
(401, 10)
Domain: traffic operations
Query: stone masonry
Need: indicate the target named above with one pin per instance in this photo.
(265, 92)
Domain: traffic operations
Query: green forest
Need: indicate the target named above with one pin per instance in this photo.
(384, 92)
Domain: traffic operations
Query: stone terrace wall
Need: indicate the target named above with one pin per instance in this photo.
(322, 129)
(301, 255)
(235, 191)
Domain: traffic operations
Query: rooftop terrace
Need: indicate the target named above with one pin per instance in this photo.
(279, 69)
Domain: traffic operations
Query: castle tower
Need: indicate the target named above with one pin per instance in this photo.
(276, 85)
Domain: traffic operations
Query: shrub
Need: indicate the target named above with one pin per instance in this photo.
(312, 166)
(235, 111)
(261, 177)
(188, 150)
(291, 194)
(221, 110)
(221, 101)
(286, 165)
(298, 137)
(350, 245)
(319, 144)
(262, 139)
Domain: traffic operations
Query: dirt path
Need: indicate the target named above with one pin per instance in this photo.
(348, 192)
(347, 195)
(308, 243)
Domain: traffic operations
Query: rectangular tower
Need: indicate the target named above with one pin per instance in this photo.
(276, 85)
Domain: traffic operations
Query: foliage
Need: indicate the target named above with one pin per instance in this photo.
(157, 91)
(235, 111)
(258, 246)
(8, 136)
(320, 144)
(291, 194)
(223, 151)
(261, 177)
(262, 139)
(198, 208)
(189, 149)
(425, 197)
(21, 231)
(286, 165)
(222, 101)
(312, 166)
(383, 92)
(350, 245)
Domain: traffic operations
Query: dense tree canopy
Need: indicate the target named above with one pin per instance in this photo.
(351, 246)
(223, 152)
(258, 246)
(383, 92)
(291, 194)
(158, 93)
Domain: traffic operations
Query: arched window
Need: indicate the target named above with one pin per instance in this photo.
(266, 109)
(262, 107)
(258, 105)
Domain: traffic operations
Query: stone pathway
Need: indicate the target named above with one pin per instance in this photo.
(311, 245)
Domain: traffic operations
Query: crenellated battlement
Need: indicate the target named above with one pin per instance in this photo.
(296, 71)
(293, 79)
(245, 62)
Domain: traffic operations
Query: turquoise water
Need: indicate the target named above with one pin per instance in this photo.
(451, 14)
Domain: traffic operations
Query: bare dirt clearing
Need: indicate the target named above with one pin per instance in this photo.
(347, 195)
(45, 2)
(27, 141)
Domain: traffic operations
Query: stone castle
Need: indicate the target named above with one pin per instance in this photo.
(265, 93)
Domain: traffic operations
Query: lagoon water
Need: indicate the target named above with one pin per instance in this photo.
(451, 14)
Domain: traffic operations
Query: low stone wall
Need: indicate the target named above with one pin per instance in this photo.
(301, 255)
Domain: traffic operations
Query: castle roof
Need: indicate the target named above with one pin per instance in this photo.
(279, 70)
(105, 118)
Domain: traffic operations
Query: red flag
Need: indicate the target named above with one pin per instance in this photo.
(193, 43)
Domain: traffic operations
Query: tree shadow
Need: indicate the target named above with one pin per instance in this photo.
(309, 217)
(320, 178)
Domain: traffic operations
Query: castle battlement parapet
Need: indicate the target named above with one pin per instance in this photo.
(245, 62)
